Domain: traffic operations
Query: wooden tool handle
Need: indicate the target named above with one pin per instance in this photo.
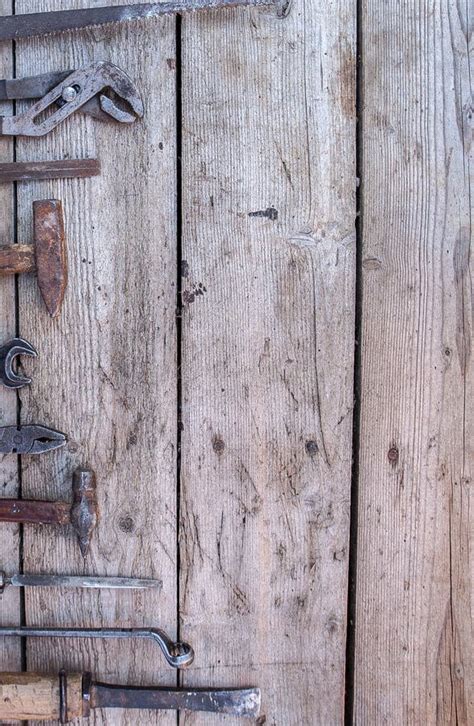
(25, 696)
(17, 259)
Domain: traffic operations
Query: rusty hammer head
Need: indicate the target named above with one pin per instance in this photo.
(46, 257)
(50, 252)
(84, 506)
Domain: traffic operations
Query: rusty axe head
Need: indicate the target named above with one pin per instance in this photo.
(50, 252)
(84, 506)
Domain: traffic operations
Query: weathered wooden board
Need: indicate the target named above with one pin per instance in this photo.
(413, 620)
(10, 654)
(267, 353)
(107, 368)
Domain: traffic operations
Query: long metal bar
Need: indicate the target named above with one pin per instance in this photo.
(31, 24)
(177, 654)
(60, 169)
(243, 702)
(77, 581)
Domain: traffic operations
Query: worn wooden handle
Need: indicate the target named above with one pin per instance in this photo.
(17, 259)
(25, 696)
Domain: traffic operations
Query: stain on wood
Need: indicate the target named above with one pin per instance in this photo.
(265, 478)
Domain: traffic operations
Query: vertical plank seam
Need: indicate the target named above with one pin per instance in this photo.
(354, 496)
(17, 393)
(179, 327)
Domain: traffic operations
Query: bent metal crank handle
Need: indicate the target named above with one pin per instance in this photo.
(64, 697)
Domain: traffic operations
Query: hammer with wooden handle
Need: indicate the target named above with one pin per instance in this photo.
(81, 514)
(31, 696)
(46, 256)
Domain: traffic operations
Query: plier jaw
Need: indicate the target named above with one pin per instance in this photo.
(102, 89)
(30, 439)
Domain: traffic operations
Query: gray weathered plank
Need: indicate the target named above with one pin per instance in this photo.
(413, 619)
(10, 656)
(107, 368)
(267, 353)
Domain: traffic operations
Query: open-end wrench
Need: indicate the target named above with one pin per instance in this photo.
(8, 353)
(102, 89)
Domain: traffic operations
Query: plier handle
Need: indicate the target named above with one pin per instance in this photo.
(102, 90)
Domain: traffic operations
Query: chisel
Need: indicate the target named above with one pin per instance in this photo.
(31, 24)
(31, 696)
(78, 581)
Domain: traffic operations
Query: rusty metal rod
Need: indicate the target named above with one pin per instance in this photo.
(62, 169)
(44, 23)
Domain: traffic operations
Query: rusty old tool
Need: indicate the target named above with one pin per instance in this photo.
(78, 581)
(102, 90)
(8, 353)
(65, 697)
(177, 655)
(61, 169)
(81, 514)
(46, 256)
(31, 24)
(30, 439)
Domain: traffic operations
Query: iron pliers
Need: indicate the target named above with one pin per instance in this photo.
(102, 90)
(30, 439)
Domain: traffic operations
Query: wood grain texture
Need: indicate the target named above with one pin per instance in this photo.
(17, 259)
(106, 371)
(413, 620)
(27, 696)
(10, 654)
(267, 353)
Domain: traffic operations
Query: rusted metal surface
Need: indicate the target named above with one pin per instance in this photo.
(17, 259)
(31, 24)
(30, 439)
(8, 354)
(61, 169)
(17, 89)
(50, 250)
(34, 87)
(81, 514)
(101, 89)
(63, 697)
(47, 257)
(244, 702)
(84, 507)
(177, 654)
(27, 511)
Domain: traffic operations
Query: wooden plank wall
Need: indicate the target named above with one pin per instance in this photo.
(267, 351)
(222, 436)
(268, 245)
(413, 621)
(107, 368)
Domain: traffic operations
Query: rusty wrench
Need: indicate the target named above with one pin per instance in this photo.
(102, 89)
(8, 353)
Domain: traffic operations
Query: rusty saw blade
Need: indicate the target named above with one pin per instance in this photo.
(31, 24)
